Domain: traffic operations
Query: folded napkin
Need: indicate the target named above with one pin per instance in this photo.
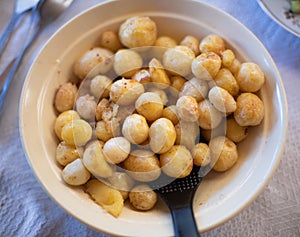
(26, 209)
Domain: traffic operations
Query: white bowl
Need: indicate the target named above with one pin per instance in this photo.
(221, 195)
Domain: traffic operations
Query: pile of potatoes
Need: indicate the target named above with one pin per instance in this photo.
(145, 104)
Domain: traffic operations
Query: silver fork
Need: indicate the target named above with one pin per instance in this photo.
(20, 9)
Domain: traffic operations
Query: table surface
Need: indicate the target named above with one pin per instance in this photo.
(26, 210)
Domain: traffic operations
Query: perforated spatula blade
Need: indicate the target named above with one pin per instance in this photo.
(179, 195)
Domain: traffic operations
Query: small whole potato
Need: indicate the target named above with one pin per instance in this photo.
(177, 83)
(142, 197)
(110, 40)
(162, 135)
(95, 57)
(226, 80)
(227, 57)
(187, 108)
(209, 116)
(100, 86)
(142, 165)
(107, 129)
(76, 132)
(62, 119)
(249, 110)
(116, 150)
(177, 162)
(234, 131)
(138, 31)
(165, 42)
(65, 153)
(170, 113)
(65, 97)
(223, 153)
(196, 88)
(178, 60)
(125, 91)
(206, 65)
(212, 43)
(250, 77)
(158, 74)
(222, 100)
(75, 173)
(149, 105)
(192, 42)
(200, 153)
(86, 106)
(127, 62)
(94, 160)
(135, 129)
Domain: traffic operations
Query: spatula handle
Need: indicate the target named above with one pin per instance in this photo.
(184, 222)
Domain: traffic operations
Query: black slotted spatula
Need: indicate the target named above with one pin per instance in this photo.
(178, 195)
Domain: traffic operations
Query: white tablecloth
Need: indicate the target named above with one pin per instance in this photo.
(26, 210)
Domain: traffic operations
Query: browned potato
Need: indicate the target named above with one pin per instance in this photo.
(249, 110)
(125, 91)
(135, 129)
(209, 116)
(65, 153)
(116, 150)
(250, 77)
(234, 131)
(196, 88)
(162, 135)
(62, 119)
(177, 162)
(223, 153)
(206, 65)
(212, 43)
(150, 105)
(226, 80)
(65, 97)
(200, 153)
(187, 108)
(110, 40)
(142, 165)
(170, 113)
(158, 74)
(222, 100)
(142, 197)
(97, 56)
(138, 31)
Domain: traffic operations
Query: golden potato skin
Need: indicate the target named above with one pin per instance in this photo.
(150, 105)
(206, 65)
(196, 88)
(138, 31)
(250, 77)
(227, 81)
(212, 43)
(116, 150)
(177, 162)
(187, 108)
(170, 113)
(234, 131)
(187, 133)
(142, 165)
(62, 119)
(249, 110)
(65, 97)
(142, 197)
(222, 99)
(200, 153)
(110, 40)
(125, 91)
(162, 135)
(209, 116)
(135, 129)
(97, 56)
(223, 152)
